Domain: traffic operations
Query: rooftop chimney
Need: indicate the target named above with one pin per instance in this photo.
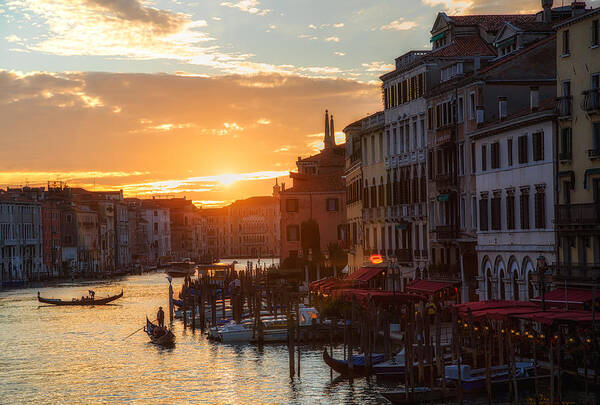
(534, 98)
(547, 13)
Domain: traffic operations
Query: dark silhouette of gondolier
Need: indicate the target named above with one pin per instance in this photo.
(160, 317)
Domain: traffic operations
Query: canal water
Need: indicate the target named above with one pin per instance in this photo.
(73, 355)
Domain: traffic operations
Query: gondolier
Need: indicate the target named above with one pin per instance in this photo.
(160, 317)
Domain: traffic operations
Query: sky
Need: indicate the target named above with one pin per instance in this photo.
(208, 99)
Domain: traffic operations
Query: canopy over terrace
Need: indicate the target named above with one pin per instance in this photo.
(551, 316)
(482, 306)
(576, 297)
(364, 297)
(359, 278)
(429, 287)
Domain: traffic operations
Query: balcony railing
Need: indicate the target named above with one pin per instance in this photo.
(591, 101)
(594, 153)
(577, 214)
(576, 272)
(565, 156)
(446, 232)
(564, 106)
(444, 179)
(403, 255)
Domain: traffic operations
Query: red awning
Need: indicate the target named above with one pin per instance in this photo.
(556, 315)
(365, 274)
(490, 305)
(364, 296)
(502, 313)
(568, 296)
(428, 287)
(327, 284)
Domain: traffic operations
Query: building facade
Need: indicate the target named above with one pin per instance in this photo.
(515, 187)
(313, 210)
(21, 256)
(354, 195)
(254, 227)
(578, 173)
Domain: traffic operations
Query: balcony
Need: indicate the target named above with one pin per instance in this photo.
(591, 101)
(565, 156)
(445, 232)
(444, 180)
(403, 255)
(578, 214)
(445, 135)
(576, 272)
(594, 154)
(564, 107)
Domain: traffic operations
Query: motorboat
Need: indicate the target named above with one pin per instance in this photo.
(234, 332)
(181, 269)
(475, 379)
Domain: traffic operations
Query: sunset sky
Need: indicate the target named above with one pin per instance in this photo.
(210, 99)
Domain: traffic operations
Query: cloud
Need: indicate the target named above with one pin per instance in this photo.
(284, 148)
(181, 127)
(485, 6)
(339, 53)
(249, 6)
(12, 38)
(135, 11)
(377, 66)
(399, 25)
(332, 39)
(312, 26)
(338, 25)
(118, 27)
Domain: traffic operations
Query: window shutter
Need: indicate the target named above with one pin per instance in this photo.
(596, 135)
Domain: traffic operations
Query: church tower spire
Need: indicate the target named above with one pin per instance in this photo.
(331, 132)
(328, 140)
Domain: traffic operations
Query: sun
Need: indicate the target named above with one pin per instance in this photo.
(227, 179)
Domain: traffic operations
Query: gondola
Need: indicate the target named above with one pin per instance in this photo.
(358, 361)
(159, 336)
(85, 301)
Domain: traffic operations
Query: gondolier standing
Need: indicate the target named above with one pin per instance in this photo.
(160, 317)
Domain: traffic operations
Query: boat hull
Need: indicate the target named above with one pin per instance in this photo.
(89, 303)
(166, 339)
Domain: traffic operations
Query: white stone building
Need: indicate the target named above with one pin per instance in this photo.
(515, 192)
(20, 240)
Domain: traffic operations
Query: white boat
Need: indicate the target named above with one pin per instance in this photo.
(475, 379)
(234, 332)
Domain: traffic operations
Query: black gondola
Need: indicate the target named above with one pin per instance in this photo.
(85, 301)
(159, 335)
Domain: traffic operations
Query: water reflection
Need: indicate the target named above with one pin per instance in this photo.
(79, 355)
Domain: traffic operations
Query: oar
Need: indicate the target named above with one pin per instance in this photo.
(134, 332)
(131, 334)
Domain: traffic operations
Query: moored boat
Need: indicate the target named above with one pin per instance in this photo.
(475, 379)
(234, 332)
(359, 367)
(159, 335)
(87, 301)
(181, 269)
